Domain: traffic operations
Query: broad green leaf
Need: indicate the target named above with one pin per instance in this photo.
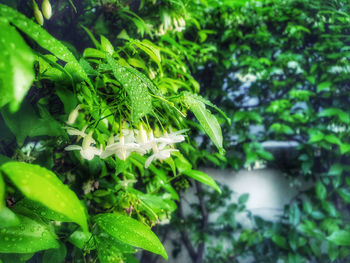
(93, 53)
(321, 191)
(294, 214)
(15, 257)
(106, 45)
(41, 36)
(207, 102)
(331, 138)
(333, 251)
(43, 186)
(29, 236)
(42, 210)
(130, 231)
(79, 238)
(344, 148)
(16, 66)
(344, 194)
(109, 249)
(26, 123)
(279, 241)
(324, 86)
(57, 255)
(203, 178)
(340, 237)
(136, 88)
(182, 164)
(8, 218)
(150, 49)
(330, 112)
(243, 199)
(205, 118)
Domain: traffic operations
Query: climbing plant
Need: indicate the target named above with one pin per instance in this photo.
(89, 154)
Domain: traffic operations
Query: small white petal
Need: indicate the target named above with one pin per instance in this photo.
(73, 131)
(73, 147)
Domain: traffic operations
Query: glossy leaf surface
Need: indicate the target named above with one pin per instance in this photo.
(16, 66)
(135, 87)
(43, 186)
(203, 178)
(29, 236)
(208, 121)
(130, 231)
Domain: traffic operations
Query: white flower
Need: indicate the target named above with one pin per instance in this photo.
(122, 149)
(73, 115)
(171, 138)
(141, 135)
(161, 155)
(73, 131)
(86, 150)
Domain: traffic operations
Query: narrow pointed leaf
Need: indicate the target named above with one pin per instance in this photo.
(205, 118)
(43, 186)
(130, 231)
(340, 237)
(203, 178)
(209, 103)
(29, 236)
(16, 66)
(135, 87)
(41, 36)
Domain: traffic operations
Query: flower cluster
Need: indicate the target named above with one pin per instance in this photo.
(126, 142)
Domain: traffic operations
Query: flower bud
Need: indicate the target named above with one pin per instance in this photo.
(88, 140)
(73, 115)
(38, 15)
(46, 8)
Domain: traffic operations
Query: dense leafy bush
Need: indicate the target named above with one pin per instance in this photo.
(92, 141)
(94, 102)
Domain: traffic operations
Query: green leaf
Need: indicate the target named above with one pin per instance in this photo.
(324, 86)
(42, 37)
(340, 237)
(8, 218)
(331, 138)
(294, 214)
(55, 255)
(42, 210)
(43, 186)
(106, 45)
(205, 118)
(279, 241)
(330, 112)
(16, 66)
(136, 88)
(207, 102)
(321, 191)
(130, 231)
(110, 250)
(26, 123)
(29, 236)
(344, 148)
(203, 178)
(243, 198)
(344, 194)
(79, 238)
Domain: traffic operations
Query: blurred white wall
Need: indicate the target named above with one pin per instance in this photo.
(269, 191)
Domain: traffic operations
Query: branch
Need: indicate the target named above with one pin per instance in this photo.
(204, 223)
(184, 236)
